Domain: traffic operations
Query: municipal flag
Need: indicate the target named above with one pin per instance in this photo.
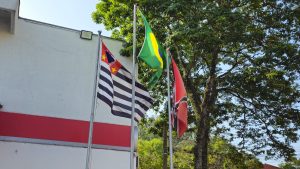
(115, 88)
(180, 101)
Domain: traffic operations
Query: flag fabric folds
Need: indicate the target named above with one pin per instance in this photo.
(115, 88)
(152, 53)
(180, 101)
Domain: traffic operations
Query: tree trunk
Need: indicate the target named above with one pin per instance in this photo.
(203, 126)
(202, 108)
(196, 101)
(165, 147)
(202, 142)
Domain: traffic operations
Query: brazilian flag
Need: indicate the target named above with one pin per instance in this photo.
(152, 53)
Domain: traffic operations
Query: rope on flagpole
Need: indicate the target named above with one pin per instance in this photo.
(92, 117)
(132, 141)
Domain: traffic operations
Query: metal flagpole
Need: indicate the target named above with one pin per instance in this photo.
(88, 156)
(169, 112)
(132, 141)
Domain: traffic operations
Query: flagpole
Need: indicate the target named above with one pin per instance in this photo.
(169, 113)
(132, 141)
(88, 155)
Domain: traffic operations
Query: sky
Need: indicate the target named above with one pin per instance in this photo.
(76, 14)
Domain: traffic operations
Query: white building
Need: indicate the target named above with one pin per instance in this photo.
(47, 77)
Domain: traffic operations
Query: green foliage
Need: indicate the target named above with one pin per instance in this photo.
(222, 155)
(146, 127)
(150, 153)
(293, 164)
(183, 154)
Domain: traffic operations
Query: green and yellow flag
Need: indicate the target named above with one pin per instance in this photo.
(152, 53)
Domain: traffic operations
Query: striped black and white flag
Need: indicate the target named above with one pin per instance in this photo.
(115, 88)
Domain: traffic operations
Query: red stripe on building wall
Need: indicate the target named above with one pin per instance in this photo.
(59, 129)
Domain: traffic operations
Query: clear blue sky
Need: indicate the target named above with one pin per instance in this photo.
(76, 14)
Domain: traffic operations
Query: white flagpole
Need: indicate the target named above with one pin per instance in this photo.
(88, 156)
(132, 141)
(169, 112)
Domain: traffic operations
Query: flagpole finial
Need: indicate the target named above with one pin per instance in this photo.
(99, 32)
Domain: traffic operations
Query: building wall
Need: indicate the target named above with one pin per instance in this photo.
(46, 88)
(51, 71)
(33, 156)
(9, 4)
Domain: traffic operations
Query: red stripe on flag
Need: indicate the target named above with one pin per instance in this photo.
(59, 129)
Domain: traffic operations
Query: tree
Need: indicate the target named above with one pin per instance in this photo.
(156, 128)
(240, 62)
(293, 164)
(222, 155)
(150, 153)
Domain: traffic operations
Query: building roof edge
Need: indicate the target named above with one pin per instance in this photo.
(60, 27)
